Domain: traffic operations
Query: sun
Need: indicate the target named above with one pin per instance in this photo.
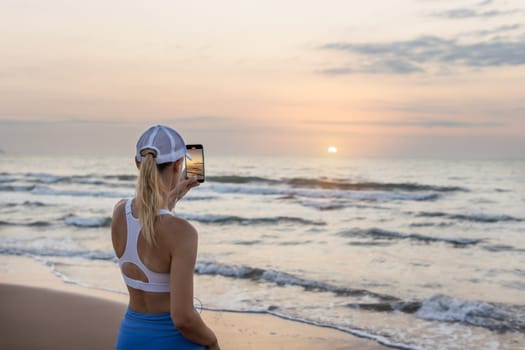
(332, 149)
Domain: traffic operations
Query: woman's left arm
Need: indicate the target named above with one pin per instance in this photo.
(183, 313)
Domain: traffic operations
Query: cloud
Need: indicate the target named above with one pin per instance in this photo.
(478, 11)
(497, 30)
(424, 123)
(386, 66)
(485, 2)
(462, 13)
(413, 56)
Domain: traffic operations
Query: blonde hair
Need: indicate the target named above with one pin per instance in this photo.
(149, 195)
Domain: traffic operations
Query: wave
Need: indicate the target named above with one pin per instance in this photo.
(26, 204)
(332, 204)
(93, 222)
(496, 317)
(121, 177)
(87, 222)
(232, 219)
(45, 178)
(43, 190)
(289, 193)
(281, 279)
(38, 223)
(443, 308)
(88, 179)
(195, 198)
(235, 179)
(70, 220)
(430, 224)
(483, 218)
(253, 242)
(370, 244)
(7, 180)
(377, 233)
(502, 190)
(375, 196)
(13, 188)
(50, 179)
(336, 185)
(370, 186)
(63, 253)
(324, 206)
(496, 248)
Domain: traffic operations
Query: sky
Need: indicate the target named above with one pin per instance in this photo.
(375, 78)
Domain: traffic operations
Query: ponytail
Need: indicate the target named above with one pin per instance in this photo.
(149, 196)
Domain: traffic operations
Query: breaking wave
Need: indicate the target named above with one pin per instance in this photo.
(483, 218)
(284, 192)
(496, 317)
(377, 233)
(281, 279)
(444, 308)
(26, 204)
(43, 190)
(237, 220)
(87, 222)
(335, 185)
(55, 252)
(37, 223)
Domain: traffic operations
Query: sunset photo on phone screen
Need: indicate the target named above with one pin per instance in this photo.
(195, 166)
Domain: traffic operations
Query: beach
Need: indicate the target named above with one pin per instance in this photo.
(39, 311)
(361, 183)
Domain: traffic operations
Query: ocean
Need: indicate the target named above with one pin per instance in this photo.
(416, 254)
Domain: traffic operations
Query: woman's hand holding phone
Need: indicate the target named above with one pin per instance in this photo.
(180, 190)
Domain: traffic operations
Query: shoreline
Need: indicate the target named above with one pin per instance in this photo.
(35, 302)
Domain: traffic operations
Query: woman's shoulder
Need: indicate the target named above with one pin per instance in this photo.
(172, 226)
(119, 214)
(175, 223)
(119, 207)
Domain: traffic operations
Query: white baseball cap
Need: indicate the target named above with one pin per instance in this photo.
(167, 143)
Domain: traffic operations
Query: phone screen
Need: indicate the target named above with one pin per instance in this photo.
(195, 166)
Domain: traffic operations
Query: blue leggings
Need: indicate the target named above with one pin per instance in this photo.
(151, 332)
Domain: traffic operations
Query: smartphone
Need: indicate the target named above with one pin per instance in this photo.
(195, 165)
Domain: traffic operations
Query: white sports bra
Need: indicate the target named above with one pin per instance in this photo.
(157, 282)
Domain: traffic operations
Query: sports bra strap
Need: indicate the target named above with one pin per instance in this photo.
(165, 212)
(162, 211)
(128, 206)
(147, 286)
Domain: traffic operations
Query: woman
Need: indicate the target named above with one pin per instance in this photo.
(157, 251)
